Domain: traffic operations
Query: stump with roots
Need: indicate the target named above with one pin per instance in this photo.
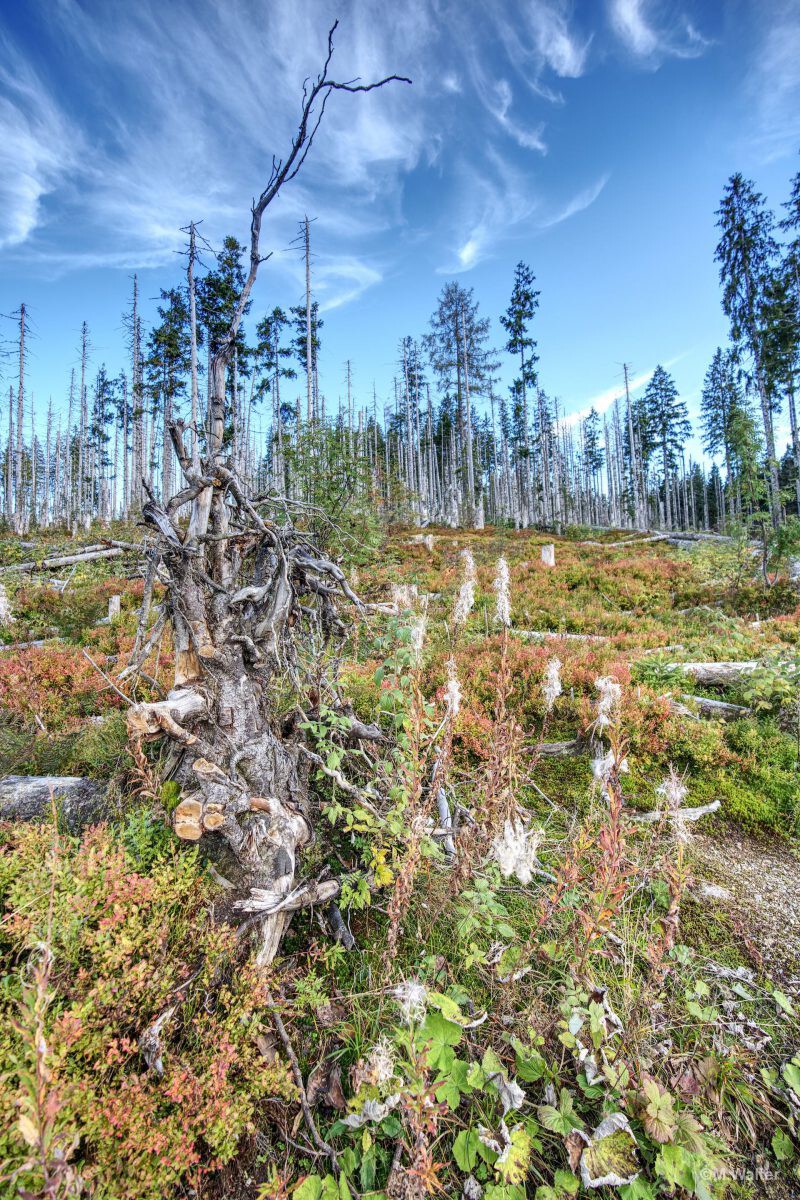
(240, 590)
(238, 598)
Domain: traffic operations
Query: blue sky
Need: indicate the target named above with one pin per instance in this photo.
(591, 139)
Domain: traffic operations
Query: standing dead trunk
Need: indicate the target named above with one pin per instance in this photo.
(239, 590)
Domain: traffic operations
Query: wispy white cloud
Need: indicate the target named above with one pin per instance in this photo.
(209, 96)
(582, 200)
(497, 199)
(339, 281)
(602, 401)
(38, 148)
(503, 202)
(538, 37)
(499, 100)
(772, 90)
(650, 40)
(564, 52)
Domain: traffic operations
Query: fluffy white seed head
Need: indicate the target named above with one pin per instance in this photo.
(514, 850)
(552, 683)
(380, 1065)
(674, 792)
(412, 1000)
(465, 601)
(6, 612)
(605, 764)
(452, 689)
(610, 695)
(419, 627)
(502, 585)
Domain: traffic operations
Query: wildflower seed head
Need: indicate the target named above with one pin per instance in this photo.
(405, 596)
(6, 612)
(502, 585)
(379, 1068)
(610, 696)
(552, 683)
(412, 1000)
(452, 689)
(602, 767)
(465, 602)
(514, 850)
(418, 630)
(674, 791)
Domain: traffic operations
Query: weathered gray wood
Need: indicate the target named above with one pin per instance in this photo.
(716, 674)
(28, 645)
(80, 801)
(49, 564)
(540, 635)
(683, 814)
(718, 710)
(569, 749)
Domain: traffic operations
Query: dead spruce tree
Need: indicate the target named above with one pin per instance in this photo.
(240, 589)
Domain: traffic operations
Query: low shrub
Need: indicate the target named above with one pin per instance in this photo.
(100, 938)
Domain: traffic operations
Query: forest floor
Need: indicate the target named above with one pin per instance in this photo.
(489, 1020)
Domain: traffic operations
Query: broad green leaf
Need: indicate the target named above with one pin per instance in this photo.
(791, 1073)
(447, 1007)
(439, 1035)
(465, 1149)
(782, 1146)
(491, 1063)
(504, 1191)
(447, 1092)
(367, 1173)
(659, 1113)
(566, 1183)
(640, 1189)
(530, 1066)
(309, 1189)
(562, 1119)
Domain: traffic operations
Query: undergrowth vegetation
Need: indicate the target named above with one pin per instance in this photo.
(551, 992)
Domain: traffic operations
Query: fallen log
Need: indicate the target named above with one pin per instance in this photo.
(714, 710)
(682, 814)
(49, 564)
(643, 541)
(30, 645)
(716, 674)
(542, 634)
(569, 749)
(79, 801)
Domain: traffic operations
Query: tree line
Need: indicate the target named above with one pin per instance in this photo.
(449, 445)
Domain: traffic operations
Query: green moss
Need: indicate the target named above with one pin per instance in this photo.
(707, 929)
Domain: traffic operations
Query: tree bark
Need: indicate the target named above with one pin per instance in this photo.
(239, 591)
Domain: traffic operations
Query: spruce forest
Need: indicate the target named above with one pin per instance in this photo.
(400, 782)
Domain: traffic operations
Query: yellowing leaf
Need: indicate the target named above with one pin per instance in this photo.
(512, 1165)
(28, 1129)
(609, 1160)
